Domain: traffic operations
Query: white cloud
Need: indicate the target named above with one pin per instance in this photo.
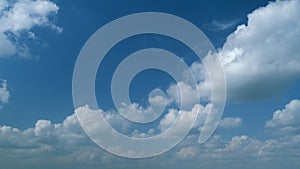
(17, 18)
(137, 113)
(268, 45)
(184, 95)
(231, 122)
(260, 59)
(170, 118)
(239, 147)
(251, 56)
(4, 93)
(187, 153)
(284, 147)
(3, 4)
(220, 25)
(287, 120)
(66, 141)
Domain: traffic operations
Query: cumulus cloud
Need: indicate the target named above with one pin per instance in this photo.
(266, 46)
(287, 120)
(231, 122)
(137, 113)
(17, 18)
(284, 147)
(242, 148)
(67, 141)
(171, 116)
(184, 95)
(241, 145)
(4, 93)
(186, 153)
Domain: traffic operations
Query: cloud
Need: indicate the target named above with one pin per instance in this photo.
(172, 114)
(187, 153)
(231, 122)
(220, 25)
(53, 143)
(184, 95)
(47, 143)
(282, 150)
(251, 56)
(242, 149)
(267, 45)
(4, 93)
(283, 147)
(137, 113)
(240, 146)
(17, 18)
(287, 120)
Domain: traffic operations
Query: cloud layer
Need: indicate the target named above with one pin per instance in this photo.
(67, 142)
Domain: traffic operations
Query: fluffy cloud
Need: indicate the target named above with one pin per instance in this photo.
(239, 146)
(267, 45)
(187, 153)
(172, 114)
(231, 122)
(45, 134)
(287, 120)
(137, 113)
(4, 93)
(66, 141)
(17, 18)
(63, 143)
(184, 95)
(284, 147)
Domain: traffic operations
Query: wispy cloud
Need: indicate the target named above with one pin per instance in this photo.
(220, 25)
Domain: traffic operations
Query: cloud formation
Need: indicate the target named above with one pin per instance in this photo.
(254, 53)
(287, 120)
(67, 142)
(220, 25)
(231, 122)
(17, 18)
(4, 93)
(268, 45)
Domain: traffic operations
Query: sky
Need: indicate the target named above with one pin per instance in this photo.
(257, 43)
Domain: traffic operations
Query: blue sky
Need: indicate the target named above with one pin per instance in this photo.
(256, 41)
